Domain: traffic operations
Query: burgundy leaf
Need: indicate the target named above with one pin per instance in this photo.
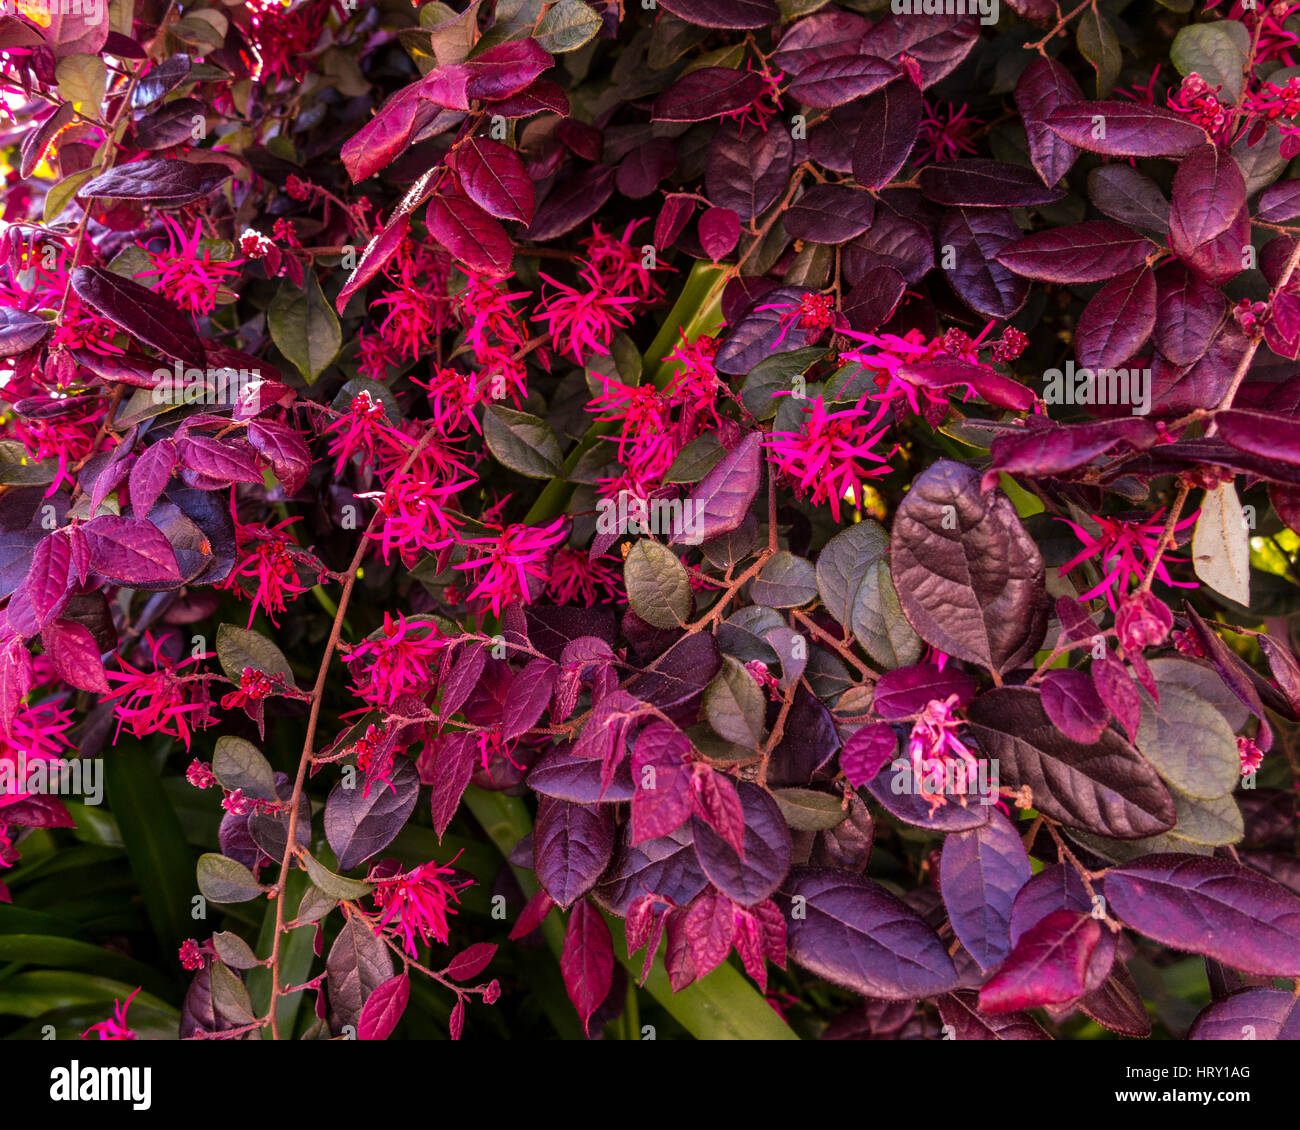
(1074, 706)
(753, 877)
(532, 916)
(1255, 1014)
(672, 218)
(209, 463)
(660, 770)
(1131, 197)
(130, 551)
(449, 769)
(1125, 129)
(830, 213)
(507, 69)
(358, 825)
(960, 1012)
(470, 234)
(1118, 692)
(906, 691)
(1209, 226)
(1104, 787)
(528, 696)
(748, 173)
(867, 752)
(953, 372)
(494, 178)
(975, 182)
(938, 43)
(1118, 320)
(667, 866)
(976, 237)
(470, 962)
(150, 474)
(572, 202)
(840, 79)
(1049, 965)
(587, 961)
(1189, 312)
(1057, 887)
(970, 580)
(734, 14)
(163, 182)
(1089, 252)
(707, 92)
(1055, 449)
(384, 1008)
(642, 170)
(1045, 85)
(284, 448)
(724, 495)
(144, 315)
(891, 122)
(75, 655)
(719, 230)
(871, 303)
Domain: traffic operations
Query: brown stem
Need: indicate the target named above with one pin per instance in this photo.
(1167, 537)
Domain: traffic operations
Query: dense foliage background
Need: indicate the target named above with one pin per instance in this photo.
(804, 490)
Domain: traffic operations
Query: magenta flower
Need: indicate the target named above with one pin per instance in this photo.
(186, 272)
(115, 1027)
(583, 322)
(945, 133)
(1251, 756)
(831, 458)
(576, 577)
(416, 516)
(620, 265)
(646, 440)
(813, 313)
(1126, 548)
(162, 701)
(509, 560)
(273, 563)
(401, 659)
(933, 745)
(417, 902)
(363, 430)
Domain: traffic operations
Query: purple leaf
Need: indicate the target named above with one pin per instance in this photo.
(1209, 224)
(970, 580)
(572, 845)
(840, 79)
(723, 497)
(662, 777)
(975, 182)
(753, 877)
(707, 92)
(130, 551)
(1130, 197)
(906, 691)
(1057, 887)
(867, 752)
(667, 867)
(493, 176)
(748, 174)
(1118, 320)
(572, 202)
(19, 331)
(1268, 434)
(1125, 129)
(1055, 449)
(358, 826)
(1074, 706)
(1255, 1014)
(208, 463)
(150, 474)
(980, 874)
(137, 310)
(952, 372)
(1279, 202)
(384, 1008)
(897, 792)
(854, 933)
(587, 961)
(1089, 252)
(642, 170)
(872, 302)
(1189, 313)
(358, 963)
(976, 237)
(830, 213)
(507, 69)
(1118, 692)
(756, 335)
(1210, 906)
(810, 741)
(470, 962)
(734, 14)
(891, 122)
(561, 775)
(938, 43)
(527, 697)
(1049, 965)
(283, 446)
(449, 770)
(1044, 86)
(1105, 787)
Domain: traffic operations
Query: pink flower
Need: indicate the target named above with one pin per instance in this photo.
(200, 774)
(575, 576)
(187, 273)
(273, 564)
(813, 313)
(162, 701)
(417, 902)
(583, 322)
(192, 956)
(945, 133)
(364, 430)
(933, 745)
(620, 265)
(509, 560)
(416, 516)
(1251, 756)
(115, 1027)
(401, 659)
(1126, 548)
(647, 444)
(831, 457)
